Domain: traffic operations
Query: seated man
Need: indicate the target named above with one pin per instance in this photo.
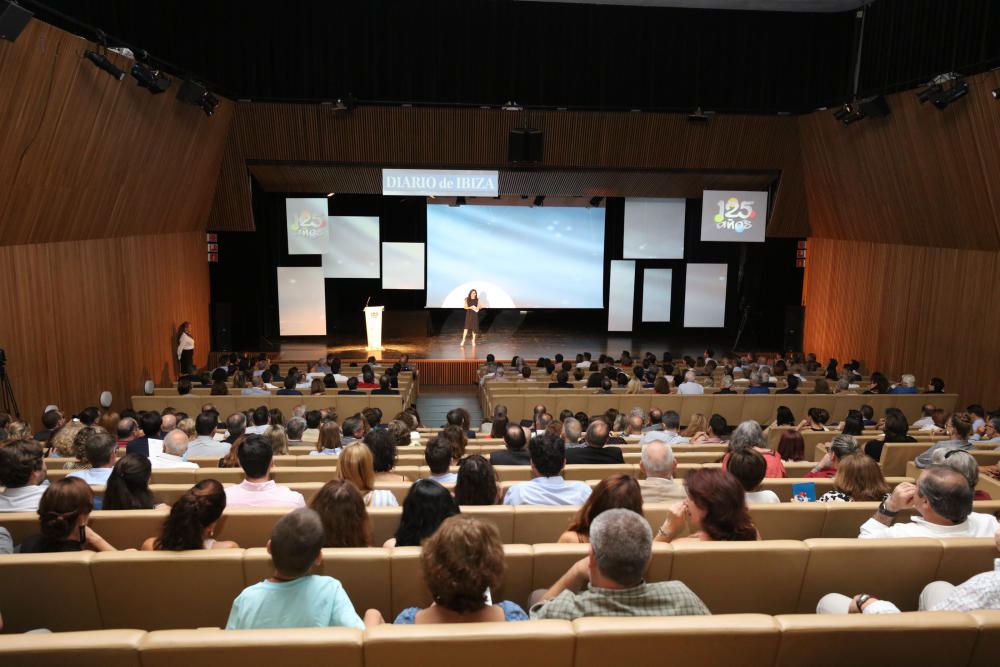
(294, 428)
(256, 387)
(150, 423)
(958, 428)
(257, 489)
(670, 432)
(689, 386)
(100, 450)
(206, 424)
(609, 581)
(548, 457)
(980, 592)
(757, 385)
(562, 381)
(943, 499)
(352, 388)
(438, 456)
(293, 598)
(926, 421)
(175, 446)
(658, 465)
(793, 386)
(22, 473)
(655, 421)
(594, 450)
(516, 453)
(261, 420)
(353, 431)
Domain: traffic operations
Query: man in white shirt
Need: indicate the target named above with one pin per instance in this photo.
(669, 434)
(943, 499)
(926, 421)
(206, 425)
(261, 419)
(548, 457)
(175, 445)
(100, 451)
(689, 386)
(257, 489)
(294, 428)
(658, 465)
(256, 388)
(22, 473)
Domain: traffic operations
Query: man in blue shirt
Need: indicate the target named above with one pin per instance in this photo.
(100, 451)
(756, 385)
(548, 457)
(293, 598)
(907, 385)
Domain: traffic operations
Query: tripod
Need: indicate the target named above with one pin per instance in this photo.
(7, 401)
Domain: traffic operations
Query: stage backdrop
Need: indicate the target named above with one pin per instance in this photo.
(761, 276)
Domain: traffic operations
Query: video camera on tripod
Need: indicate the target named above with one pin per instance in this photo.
(7, 401)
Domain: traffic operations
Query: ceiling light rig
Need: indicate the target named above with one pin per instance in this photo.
(869, 107)
(194, 93)
(944, 90)
(99, 56)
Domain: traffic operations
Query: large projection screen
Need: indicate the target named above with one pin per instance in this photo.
(307, 226)
(353, 249)
(515, 256)
(621, 295)
(654, 229)
(402, 265)
(656, 287)
(301, 301)
(705, 295)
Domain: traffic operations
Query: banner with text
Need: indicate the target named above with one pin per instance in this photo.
(440, 182)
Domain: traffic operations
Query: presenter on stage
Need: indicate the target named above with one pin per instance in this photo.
(471, 316)
(185, 348)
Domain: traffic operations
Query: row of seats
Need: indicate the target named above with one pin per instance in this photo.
(155, 590)
(344, 405)
(517, 525)
(750, 640)
(735, 408)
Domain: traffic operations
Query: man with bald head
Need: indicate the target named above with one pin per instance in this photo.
(516, 453)
(658, 465)
(571, 431)
(943, 499)
(175, 444)
(594, 449)
(168, 423)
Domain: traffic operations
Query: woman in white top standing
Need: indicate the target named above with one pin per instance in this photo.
(185, 348)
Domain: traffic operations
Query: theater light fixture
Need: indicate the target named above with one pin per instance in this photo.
(869, 107)
(930, 92)
(596, 201)
(996, 93)
(194, 93)
(958, 89)
(102, 63)
(151, 79)
(849, 113)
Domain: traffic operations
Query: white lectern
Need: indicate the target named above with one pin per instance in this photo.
(373, 322)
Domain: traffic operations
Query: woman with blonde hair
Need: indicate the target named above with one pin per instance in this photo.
(278, 438)
(187, 426)
(698, 424)
(328, 442)
(61, 442)
(355, 465)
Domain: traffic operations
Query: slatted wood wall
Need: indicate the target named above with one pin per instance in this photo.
(85, 156)
(451, 137)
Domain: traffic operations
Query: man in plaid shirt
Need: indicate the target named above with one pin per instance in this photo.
(609, 581)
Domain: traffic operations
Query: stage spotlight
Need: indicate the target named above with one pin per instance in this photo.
(698, 116)
(596, 201)
(850, 113)
(929, 93)
(192, 92)
(330, 194)
(539, 200)
(958, 90)
(841, 113)
(103, 63)
(996, 93)
(151, 79)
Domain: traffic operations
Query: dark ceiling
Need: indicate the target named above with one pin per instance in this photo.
(606, 56)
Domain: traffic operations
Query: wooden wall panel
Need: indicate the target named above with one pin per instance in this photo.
(918, 177)
(907, 309)
(473, 137)
(85, 156)
(81, 317)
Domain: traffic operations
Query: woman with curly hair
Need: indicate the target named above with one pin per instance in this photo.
(715, 510)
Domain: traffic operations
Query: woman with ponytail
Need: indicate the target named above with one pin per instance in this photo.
(63, 512)
(191, 524)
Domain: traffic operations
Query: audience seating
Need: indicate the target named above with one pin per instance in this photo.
(161, 590)
(344, 405)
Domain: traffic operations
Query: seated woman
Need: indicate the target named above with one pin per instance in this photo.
(316, 387)
(717, 427)
(616, 491)
(783, 418)
(477, 482)
(342, 511)
(128, 485)
(791, 446)
(328, 441)
(853, 424)
(424, 508)
(820, 386)
(192, 519)
(816, 419)
(858, 479)
(278, 438)
(463, 563)
(61, 444)
(894, 429)
(697, 424)
(355, 464)
(749, 467)
(382, 444)
(749, 436)
(838, 449)
(715, 510)
(63, 512)
(460, 442)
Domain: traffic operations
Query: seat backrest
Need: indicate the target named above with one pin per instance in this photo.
(551, 561)
(253, 648)
(385, 521)
(890, 569)
(364, 573)
(178, 476)
(189, 588)
(719, 573)
(750, 640)
(942, 638)
(895, 456)
(501, 516)
(985, 652)
(535, 524)
(53, 591)
(95, 648)
(249, 527)
(789, 521)
(127, 529)
(583, 472)
(549, 643)
(729, 406)
(965, 557)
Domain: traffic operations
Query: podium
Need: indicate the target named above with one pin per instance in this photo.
(373, 323)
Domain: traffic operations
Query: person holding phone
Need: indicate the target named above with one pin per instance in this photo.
(62, 517)
(472, 309)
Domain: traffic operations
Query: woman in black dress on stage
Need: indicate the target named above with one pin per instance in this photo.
(472, 309)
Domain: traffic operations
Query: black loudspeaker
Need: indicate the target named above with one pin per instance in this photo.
(792, 333)
(13, 19)
(525, 145)
(876, 107)
(222, 327)
(191, 92)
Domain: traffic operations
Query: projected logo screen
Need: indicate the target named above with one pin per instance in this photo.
(733, 215)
